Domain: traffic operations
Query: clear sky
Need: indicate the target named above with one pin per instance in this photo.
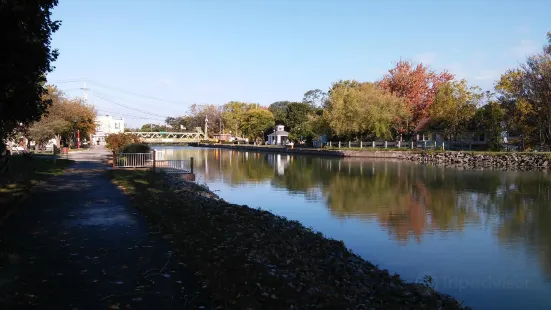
(215, 51)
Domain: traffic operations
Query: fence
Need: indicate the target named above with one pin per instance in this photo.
(155, 160)
(390, 144)
(133, 160)
(176, 166)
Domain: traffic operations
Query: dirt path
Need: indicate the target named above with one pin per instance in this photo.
(77, 243)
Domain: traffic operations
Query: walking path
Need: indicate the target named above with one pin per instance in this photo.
(76, 243)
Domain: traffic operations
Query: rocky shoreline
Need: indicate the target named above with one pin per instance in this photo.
(472, 160)
(252, 259)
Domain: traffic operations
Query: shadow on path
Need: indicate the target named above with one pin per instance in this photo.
(76, 243)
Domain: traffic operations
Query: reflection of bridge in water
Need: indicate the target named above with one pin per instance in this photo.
(170, 137)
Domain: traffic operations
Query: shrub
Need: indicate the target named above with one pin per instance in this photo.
(136, 148)
(117, 141)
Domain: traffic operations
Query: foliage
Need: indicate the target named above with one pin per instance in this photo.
(117, 141)
(257, 122)
(63, 118)
(136, 148)
(525, 94)
(418, 85)
(489, 119)
(233, 113)
(178, 122)
(454, 106)
(296, 120)
(150, 127)
(279, 110)
(25, 59)
(315, 98)
(358, 110)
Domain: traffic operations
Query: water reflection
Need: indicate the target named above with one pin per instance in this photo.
(412, 203)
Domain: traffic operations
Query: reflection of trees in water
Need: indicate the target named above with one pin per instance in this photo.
(406, 199)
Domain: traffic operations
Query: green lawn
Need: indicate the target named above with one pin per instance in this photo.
(23, 174)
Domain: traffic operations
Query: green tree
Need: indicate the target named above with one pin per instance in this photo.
(315, 97)
(257, 122)
(150, 127)
(357, 110)
(279, 110)
(454, 107)
(25, 60)
(297, 120)
(489, 119)
(519, 112)
(63, 118)
(233, 113)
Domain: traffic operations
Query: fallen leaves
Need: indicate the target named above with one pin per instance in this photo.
(250, 258)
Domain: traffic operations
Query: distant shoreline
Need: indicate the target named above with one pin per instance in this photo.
(456, 159)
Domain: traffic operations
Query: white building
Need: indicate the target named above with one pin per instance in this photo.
(279, 136)
(106, 125)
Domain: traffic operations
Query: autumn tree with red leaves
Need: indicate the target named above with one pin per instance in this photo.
(418, 85)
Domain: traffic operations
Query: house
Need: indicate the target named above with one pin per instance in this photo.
(428, 130)
(279, 136)
(106, 125)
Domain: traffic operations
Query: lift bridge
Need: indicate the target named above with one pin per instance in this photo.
(163, 137)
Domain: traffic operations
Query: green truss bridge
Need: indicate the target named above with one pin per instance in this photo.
(170, 137)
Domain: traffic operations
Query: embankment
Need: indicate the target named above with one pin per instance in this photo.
(310, 151)
(252, 259)
(467, 160)
(475, 160)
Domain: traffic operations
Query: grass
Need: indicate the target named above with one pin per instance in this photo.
(251, 259)
(24, 173)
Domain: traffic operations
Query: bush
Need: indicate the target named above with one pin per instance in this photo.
(136, 148)
(117, 141)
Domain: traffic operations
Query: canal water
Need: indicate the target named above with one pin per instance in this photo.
(483, 236)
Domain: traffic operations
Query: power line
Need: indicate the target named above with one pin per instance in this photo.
(99, 95)
(131, 116)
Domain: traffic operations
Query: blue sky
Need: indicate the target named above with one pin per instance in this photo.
(214, 51)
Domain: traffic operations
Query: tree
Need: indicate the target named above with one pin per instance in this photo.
(418, 85)
(257, 122)
(233, 113)
(363, 109)
(198, 114)
(63, 118)
(315, 97)
(489, 119)
(525, 94)
(296, 116)
(454, 106)
(151, 128)
(25, 60)
(178, 122)
(279, 110)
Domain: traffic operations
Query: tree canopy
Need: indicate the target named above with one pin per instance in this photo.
(62, 118)
(364, 110)
(418, 85)
(25, 59)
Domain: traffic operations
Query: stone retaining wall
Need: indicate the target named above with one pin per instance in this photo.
(514, 161)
